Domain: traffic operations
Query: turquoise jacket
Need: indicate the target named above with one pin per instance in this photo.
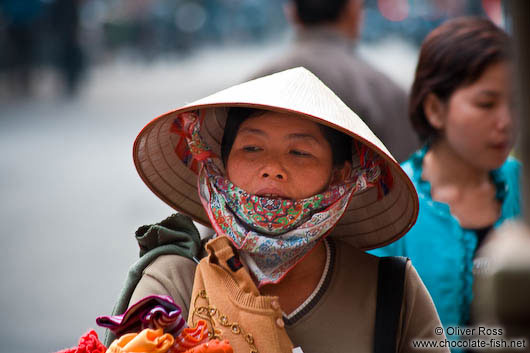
(442, 251)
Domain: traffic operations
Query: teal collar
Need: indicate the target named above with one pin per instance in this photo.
(424, 186)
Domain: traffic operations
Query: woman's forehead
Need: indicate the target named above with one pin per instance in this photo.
(279, 122)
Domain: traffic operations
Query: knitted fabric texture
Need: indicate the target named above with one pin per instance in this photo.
(214, 346)
(226, 297)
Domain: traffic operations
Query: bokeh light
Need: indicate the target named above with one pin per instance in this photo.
(394, 10)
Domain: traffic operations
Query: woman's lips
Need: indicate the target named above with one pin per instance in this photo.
(274, 193)
(500, 145)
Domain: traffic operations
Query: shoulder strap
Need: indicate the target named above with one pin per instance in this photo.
(390, 283)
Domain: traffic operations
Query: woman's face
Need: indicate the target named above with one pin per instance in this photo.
(280, 155)
(477, 121)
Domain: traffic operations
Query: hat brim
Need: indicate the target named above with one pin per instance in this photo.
(371, 220)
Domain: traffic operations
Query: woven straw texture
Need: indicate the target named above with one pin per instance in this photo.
(368, 222)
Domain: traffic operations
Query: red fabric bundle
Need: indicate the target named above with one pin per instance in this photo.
(88, 343)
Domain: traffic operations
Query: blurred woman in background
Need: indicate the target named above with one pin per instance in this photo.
(461, 108)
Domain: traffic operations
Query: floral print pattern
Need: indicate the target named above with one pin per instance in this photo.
(272, 235)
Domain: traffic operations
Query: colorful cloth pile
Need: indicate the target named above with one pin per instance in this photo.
(152, 325)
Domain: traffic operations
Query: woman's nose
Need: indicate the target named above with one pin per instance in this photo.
(505, 118)
(272, 168)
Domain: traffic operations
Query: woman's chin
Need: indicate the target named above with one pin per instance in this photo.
(494, 163)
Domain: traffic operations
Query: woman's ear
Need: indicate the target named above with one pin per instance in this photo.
(340, 174)
(434, 110)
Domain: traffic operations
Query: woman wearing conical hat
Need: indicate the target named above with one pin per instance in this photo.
(295, 187)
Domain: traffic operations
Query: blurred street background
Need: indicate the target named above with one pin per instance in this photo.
(78, 81)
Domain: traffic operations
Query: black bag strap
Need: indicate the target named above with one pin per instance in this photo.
(390, 283)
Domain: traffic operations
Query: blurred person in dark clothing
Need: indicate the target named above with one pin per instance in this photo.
(69, 56)
(21, 18)
(326, 33)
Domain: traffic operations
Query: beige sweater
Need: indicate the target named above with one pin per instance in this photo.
(341, 315)
(227, 298)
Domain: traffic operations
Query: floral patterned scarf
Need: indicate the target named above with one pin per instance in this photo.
(272, 235)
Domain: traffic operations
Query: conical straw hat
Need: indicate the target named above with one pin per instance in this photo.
(372, 220)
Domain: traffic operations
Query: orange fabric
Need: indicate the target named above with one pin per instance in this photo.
(214, 346)
(147, 341)
(191, 337)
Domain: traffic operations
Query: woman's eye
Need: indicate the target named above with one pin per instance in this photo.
(486, 105)
(251, 149)
(299, 153)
